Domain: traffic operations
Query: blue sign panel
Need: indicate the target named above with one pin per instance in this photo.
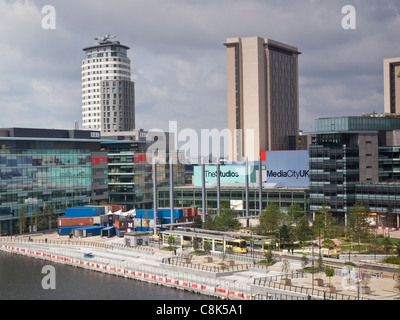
(288, 168)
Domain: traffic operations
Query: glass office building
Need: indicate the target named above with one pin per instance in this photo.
(189, 196)
(356, 160)
(42, 172)
(130, 173)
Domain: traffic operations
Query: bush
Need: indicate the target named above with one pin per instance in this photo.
(392, 259)
(328, 243)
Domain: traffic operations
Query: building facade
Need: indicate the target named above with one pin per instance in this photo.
(263, 96)
(42, 168)
(130, 172)
(108, 94)
(189, 196)
(356, 160)
(391, 85)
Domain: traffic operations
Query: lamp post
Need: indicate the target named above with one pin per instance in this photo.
(312, 263)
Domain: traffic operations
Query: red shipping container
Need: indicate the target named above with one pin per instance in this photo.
(117, 207)
(72, 222)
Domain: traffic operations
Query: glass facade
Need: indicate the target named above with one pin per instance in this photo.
(355, 160)
(334, 172)
(357, 124)
(130, 175)
(39, 178)
(192, 197)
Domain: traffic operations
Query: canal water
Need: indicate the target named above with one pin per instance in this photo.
(21, 279)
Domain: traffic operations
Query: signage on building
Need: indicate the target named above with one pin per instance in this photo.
(228, 174)
(236, 205)
(287, 168)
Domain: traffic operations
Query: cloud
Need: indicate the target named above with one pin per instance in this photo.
(178, 57)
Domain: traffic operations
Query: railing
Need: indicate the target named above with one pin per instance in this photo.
(292, 275)
(225, 268)
(312, 292)
(74, 243)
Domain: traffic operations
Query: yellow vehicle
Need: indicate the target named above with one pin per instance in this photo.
(270, 245)
(238, 245)
(187, 241)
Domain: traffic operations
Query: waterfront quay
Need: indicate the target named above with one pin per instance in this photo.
(237, 277)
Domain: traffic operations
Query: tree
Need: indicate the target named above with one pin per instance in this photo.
(358, 225)
(171, 241)
(285, 234)
(197, 222)
(329, 272)
(49, 213)
(302, 230)
(270, 219)
(285, 266)
(304, 261)
(22, 219)
(387, 245)
(295, 212)
(323, 223)
(35, 219)
(225, 221)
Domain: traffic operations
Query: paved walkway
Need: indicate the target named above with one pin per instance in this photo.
(381, 288)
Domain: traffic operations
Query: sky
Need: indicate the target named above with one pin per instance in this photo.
(179, 59)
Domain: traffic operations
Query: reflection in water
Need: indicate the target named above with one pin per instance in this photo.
(21, 279)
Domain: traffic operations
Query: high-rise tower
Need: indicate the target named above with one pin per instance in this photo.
(108, 94)
(391, 83)
(263, 96)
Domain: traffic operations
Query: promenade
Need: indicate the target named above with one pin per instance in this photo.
(242, 281)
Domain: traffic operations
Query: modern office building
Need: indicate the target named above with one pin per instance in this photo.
(391, 85)
(42, 168)
(108, 94)
(190, 196)
(356, 160)
(130, 169)
(263, 96)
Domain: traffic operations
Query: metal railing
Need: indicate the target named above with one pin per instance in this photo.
(222, 268)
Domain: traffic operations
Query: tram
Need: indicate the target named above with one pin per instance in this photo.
(215, 242)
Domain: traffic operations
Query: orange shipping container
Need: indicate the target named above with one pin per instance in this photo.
(71, 222)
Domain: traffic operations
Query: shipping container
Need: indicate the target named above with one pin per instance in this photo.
(166, 212)
(78, 212)
(120, 233)
(64, 231)
(88, 231)
(118, 207)
(69, 222)
(124, 224)
(108, 232)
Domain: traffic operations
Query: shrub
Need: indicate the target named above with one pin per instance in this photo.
(392, 259)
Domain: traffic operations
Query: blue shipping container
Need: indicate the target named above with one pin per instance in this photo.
(81, 212)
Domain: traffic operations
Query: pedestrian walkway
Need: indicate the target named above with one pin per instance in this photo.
(242, 280)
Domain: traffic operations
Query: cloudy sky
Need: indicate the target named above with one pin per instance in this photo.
(179, 60)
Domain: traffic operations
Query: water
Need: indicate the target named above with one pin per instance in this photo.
(21, 279)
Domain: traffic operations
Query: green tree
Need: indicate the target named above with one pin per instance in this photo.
(22, 219)
(197, 222)
(295, 212)
(302, 230)
(49, 214)
(225, 221)
(285, 234)
(358, 225)
(329, 272)
(387, 245)
(270, 219)
(209, 224)
(323, 223)
(36, 218)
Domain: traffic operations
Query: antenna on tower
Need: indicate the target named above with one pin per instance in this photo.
(104, 39)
